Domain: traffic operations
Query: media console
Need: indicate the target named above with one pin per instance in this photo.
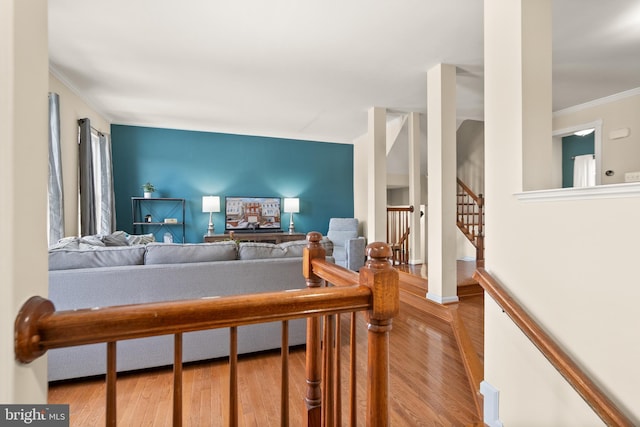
(257, 237)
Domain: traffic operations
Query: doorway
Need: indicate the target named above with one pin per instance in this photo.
(573, 146)
(559, 168)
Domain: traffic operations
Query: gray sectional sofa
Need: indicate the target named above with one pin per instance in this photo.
(86, 277)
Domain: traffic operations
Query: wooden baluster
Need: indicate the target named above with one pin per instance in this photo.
(284, 386)
(388, 226)
(233, 376)
(353, 408)
(403, 230)
(111, 384)
(382, 279)
(336, 375)
(480, 237)
(327, 371)
(466, 211)
(313, 396)
(177, 380)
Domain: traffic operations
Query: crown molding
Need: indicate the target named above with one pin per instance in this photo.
(65, 81)
(596, 102)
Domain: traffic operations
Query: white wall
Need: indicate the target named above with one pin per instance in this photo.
(615, 112)
(572, 264)
(470, 154)
(72, 108)
(23, 185)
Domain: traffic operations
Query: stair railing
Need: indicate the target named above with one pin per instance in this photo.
(564, 364)
(39, 327)
(470, 218)
(398, 230)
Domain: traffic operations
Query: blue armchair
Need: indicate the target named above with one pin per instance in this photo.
(348, 248)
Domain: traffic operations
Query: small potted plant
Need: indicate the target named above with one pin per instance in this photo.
(148, 189)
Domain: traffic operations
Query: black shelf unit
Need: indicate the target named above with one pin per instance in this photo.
(158, 207)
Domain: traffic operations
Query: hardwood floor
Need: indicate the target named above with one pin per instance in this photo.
(429, 384)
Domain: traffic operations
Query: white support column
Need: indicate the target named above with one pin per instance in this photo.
(377, 176)
(536, 94)
(415, 236)
(441, 166)
(24, 66)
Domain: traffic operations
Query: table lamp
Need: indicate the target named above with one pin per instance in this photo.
(210, 204)
(291, 206)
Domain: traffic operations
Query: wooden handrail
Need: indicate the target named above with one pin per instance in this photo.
(470, 218)
(478, 199)
(57, 329)
(400, 209)
(566, 366)
(39, 327)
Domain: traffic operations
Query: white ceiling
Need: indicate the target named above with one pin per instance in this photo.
(311, 69)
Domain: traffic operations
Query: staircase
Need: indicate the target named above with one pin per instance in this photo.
(398, 221)
(470, 218)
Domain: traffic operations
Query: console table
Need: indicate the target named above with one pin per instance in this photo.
(257, 237)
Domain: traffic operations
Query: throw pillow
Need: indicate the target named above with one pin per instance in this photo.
(117, 238)
(140, 239)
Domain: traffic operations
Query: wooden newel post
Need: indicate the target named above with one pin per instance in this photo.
(26, 334)
(313, 395)
(382, 278)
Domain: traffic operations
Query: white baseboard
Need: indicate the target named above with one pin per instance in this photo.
(491, 404)
(440, 299)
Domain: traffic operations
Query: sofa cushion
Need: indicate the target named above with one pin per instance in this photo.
(295, 248)
(176, 253)
(67, 259)
(258, 250)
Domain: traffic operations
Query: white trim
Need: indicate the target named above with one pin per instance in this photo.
(440, 299)
(597, 102)
(491, 404)
(611, 191)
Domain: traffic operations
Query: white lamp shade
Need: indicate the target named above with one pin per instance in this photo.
(291, 204)
(210, 204)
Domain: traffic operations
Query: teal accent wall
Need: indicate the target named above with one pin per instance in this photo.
(191, 164)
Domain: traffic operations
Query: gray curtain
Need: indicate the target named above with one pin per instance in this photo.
(56, 199)
(87, 196)
(97, 201)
